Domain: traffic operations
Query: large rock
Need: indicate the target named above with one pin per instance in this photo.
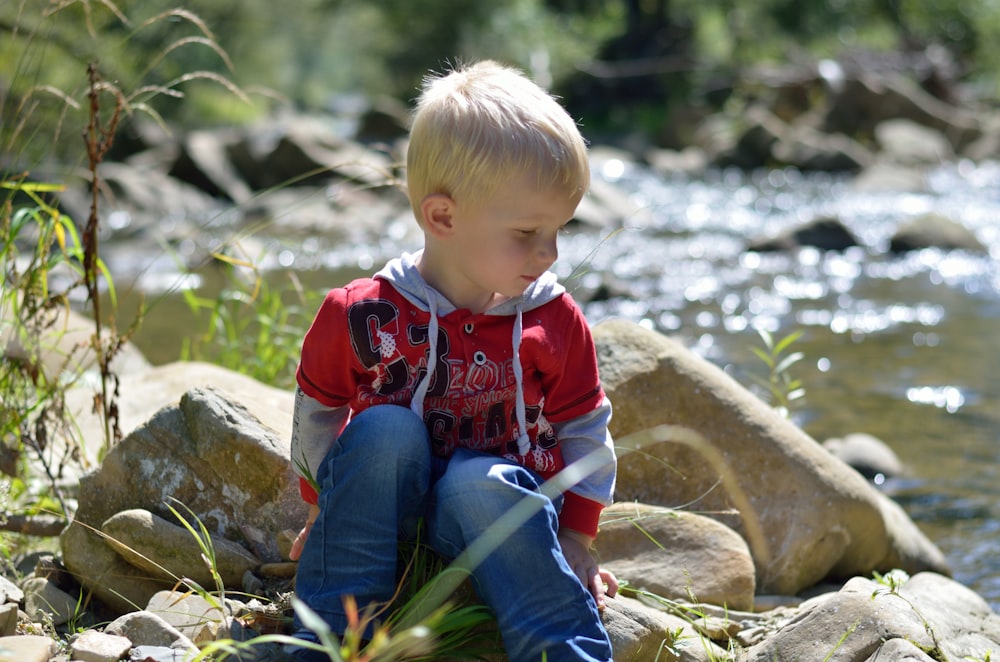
(207, 454)
(941, 617)
(824, 233)
(296, 149)
(762, 139)
(64, 353)
(806, 515)
(662, 551)
(145, 391)
(203, 161)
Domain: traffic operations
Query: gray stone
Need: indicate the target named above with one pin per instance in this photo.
(27, 648)
(883, 176)
(144, 628)
(94, 646)
(899, 650)
(866, 101)
(194, 616)
(904, 141)
(159, 654)
(934, 231)
(936, 614)
(868, 455)
(804, 148)
(203, 161)
(147, 391)
(9, 591)
(44, 600)
(8, 619)
(824, 233)
(170, 551)
(641, 633)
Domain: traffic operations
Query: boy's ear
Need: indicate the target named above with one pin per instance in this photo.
(438, 211)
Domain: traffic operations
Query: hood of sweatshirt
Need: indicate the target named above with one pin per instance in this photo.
(404, 276)
(402, 272)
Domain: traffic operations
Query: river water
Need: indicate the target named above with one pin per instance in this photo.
(901, 347)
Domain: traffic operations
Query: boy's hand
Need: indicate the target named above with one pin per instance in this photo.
(300, 540)
(576, 549)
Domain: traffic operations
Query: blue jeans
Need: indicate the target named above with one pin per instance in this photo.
(380, 478)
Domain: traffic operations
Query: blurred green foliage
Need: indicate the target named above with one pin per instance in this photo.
(307, 52)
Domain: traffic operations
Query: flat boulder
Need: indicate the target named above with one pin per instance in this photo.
(663, 551)
(869, 620)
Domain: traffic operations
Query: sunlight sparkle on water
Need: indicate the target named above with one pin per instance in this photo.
(613, 169)
(949, 398)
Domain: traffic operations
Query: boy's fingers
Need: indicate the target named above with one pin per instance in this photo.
(611, 582)
(597, 589)
(300, 541)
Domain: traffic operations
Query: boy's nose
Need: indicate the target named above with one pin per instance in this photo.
(548, 249)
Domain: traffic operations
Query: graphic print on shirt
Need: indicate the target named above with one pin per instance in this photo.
(373, 327)
(375, 338)
(468, 404)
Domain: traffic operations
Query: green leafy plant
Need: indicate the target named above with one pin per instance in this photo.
(204, 541)
(890, 584)
(37, 368)
(251, 326)
(452, 628)
(779, 384)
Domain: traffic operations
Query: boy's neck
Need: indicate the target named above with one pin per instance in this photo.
(451, 287)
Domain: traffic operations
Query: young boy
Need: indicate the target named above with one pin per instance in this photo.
(454, 382)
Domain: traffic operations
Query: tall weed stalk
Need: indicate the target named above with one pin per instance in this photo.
(46, 256)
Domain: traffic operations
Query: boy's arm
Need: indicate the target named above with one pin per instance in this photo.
(315, 427)
(576, 550)
(578, 438)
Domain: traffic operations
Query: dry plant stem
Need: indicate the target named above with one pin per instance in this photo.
(98, 138)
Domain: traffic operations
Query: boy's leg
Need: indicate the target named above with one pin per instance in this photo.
(539, 603)
(374, 480)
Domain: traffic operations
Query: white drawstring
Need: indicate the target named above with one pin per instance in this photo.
(523, 441)
(417, 403)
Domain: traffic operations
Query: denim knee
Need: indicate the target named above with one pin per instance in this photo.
(392, 434)
(476, 490)
(469, 472)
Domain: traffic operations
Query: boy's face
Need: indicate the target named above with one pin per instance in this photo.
(502, 245)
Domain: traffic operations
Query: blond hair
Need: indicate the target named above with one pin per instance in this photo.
(478, 126)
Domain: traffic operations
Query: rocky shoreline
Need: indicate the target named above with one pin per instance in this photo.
(739, 537)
